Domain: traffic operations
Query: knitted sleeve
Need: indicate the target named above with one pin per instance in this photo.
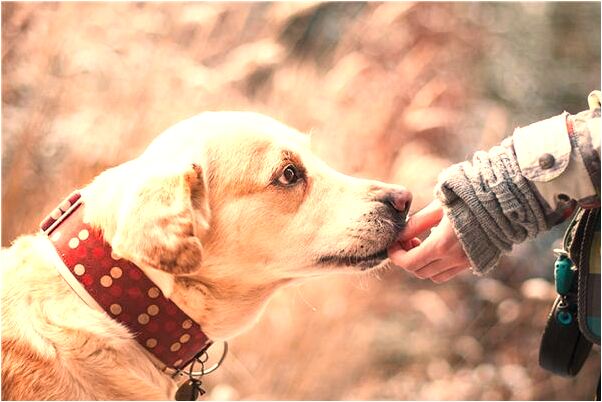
(491, 205)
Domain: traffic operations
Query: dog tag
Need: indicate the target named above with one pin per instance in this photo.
(189, 391)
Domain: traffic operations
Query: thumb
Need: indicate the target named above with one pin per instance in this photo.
(423, 220)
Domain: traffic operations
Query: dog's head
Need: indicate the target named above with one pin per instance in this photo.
(238, 201)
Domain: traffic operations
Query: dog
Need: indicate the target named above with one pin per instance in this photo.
(220, 211)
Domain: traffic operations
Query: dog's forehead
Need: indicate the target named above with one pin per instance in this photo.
(245, 135)
(252, 142)
(231, 134)
(239, 149)
(249, 128)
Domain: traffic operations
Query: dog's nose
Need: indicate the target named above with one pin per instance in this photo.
(399, 199)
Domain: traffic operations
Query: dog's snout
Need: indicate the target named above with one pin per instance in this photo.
(399, 199)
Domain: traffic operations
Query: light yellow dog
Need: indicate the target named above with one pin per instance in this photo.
(219, 212)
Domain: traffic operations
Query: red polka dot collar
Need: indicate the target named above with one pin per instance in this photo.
(121, 289)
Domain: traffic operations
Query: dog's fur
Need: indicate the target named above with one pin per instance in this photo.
(204, 213)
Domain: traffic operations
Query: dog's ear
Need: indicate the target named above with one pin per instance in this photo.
(161, 220)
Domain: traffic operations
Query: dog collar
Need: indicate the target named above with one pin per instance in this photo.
(122, 289)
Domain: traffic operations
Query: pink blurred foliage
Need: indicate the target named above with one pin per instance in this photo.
(392, 91)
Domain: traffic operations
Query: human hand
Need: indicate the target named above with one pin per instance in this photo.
(440, 256)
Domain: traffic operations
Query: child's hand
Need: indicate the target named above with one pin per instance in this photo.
(440, 256)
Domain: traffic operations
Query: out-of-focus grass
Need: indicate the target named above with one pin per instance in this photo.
(393, 91)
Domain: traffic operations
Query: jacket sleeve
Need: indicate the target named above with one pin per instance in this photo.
(524, 186)
(561, 155)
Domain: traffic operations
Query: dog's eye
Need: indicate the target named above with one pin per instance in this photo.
(290, 175)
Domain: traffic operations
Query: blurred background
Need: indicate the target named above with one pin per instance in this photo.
(391, 91)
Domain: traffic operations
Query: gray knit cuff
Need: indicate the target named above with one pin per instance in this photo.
(481, 253)
(490, 205)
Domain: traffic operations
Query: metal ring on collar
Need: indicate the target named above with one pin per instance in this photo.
(215, 366)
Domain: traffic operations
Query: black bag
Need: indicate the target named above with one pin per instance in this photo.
(574, 321)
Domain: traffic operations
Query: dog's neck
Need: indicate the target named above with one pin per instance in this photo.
(223, 310)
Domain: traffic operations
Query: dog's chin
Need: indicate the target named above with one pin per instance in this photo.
(382, 265)
(376, 259)
(361, 262)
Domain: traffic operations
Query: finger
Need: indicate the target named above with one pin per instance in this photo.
(410, 244)
(447, 275)
(405, 245)
(396, 248)
(415, 242)
(423, 220)
(435, 268)
(415, 258)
